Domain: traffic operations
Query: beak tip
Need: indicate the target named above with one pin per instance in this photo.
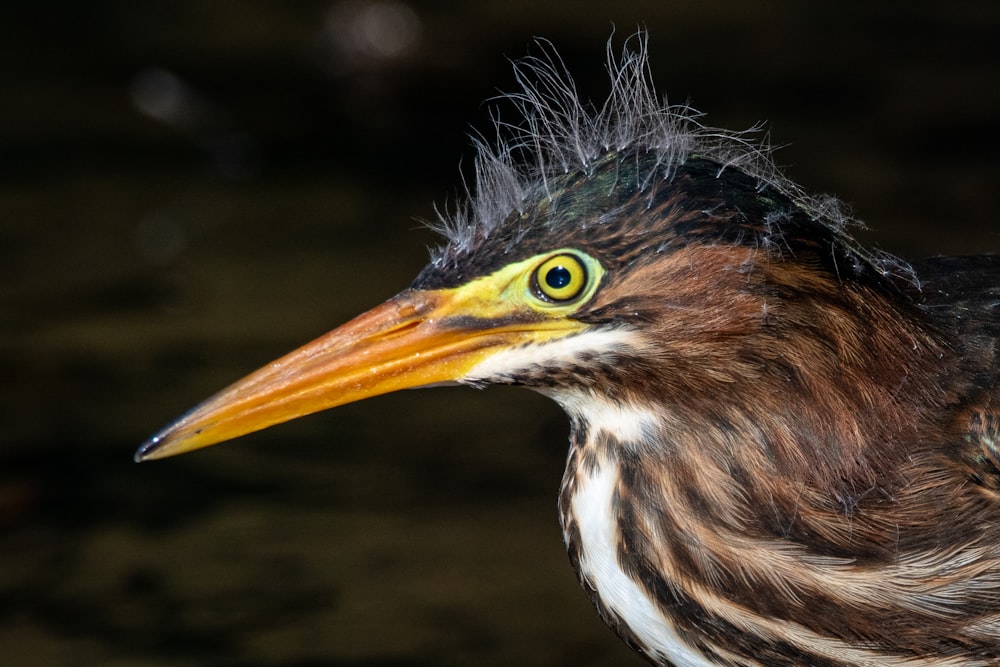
(146, 451)
(154, 448)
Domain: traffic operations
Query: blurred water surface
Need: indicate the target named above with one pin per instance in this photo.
(189, 189)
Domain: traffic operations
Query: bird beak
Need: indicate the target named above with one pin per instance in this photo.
(416, 339)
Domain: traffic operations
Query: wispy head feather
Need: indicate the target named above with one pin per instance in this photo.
(558, 134)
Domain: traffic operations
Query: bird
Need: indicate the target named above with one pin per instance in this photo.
(784, 445)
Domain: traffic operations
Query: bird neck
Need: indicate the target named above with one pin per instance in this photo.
(801, 471)
(595, 532)
(676, 551)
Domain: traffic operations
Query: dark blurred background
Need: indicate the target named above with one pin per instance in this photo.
(189, 189)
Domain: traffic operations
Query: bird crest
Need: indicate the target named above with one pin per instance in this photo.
(558, 139)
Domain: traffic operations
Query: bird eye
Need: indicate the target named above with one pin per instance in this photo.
(560, 278)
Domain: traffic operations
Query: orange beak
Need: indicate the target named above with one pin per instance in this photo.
(415, 339)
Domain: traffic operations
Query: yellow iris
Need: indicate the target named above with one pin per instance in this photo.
(560, 278)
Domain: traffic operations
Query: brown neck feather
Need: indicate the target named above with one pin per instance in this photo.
(807, 469)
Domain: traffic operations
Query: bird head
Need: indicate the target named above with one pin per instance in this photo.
(618, 252)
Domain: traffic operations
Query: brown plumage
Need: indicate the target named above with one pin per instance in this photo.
(842, 485)
(785, 448)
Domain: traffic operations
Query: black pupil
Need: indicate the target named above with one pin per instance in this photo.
(558, 277)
